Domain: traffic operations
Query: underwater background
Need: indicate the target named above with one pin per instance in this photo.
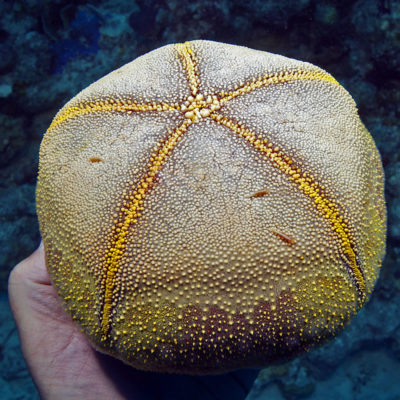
(50, 50)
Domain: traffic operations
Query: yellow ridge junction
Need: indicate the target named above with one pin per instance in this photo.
(129, 215)
(306, 184)
(109, 105)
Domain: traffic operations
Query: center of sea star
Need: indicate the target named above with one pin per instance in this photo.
(200, 107)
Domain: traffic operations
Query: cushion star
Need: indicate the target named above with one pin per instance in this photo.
(208, 207)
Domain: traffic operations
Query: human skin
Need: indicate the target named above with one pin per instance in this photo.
(59, 357)
(63, 364)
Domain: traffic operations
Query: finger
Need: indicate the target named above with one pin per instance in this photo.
(33, 268)
(60, 359)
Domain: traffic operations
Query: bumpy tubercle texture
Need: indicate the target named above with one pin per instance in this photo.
(209, 207)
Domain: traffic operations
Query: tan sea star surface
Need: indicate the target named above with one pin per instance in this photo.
(208, 207)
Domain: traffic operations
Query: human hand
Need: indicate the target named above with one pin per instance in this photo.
(64, 366)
